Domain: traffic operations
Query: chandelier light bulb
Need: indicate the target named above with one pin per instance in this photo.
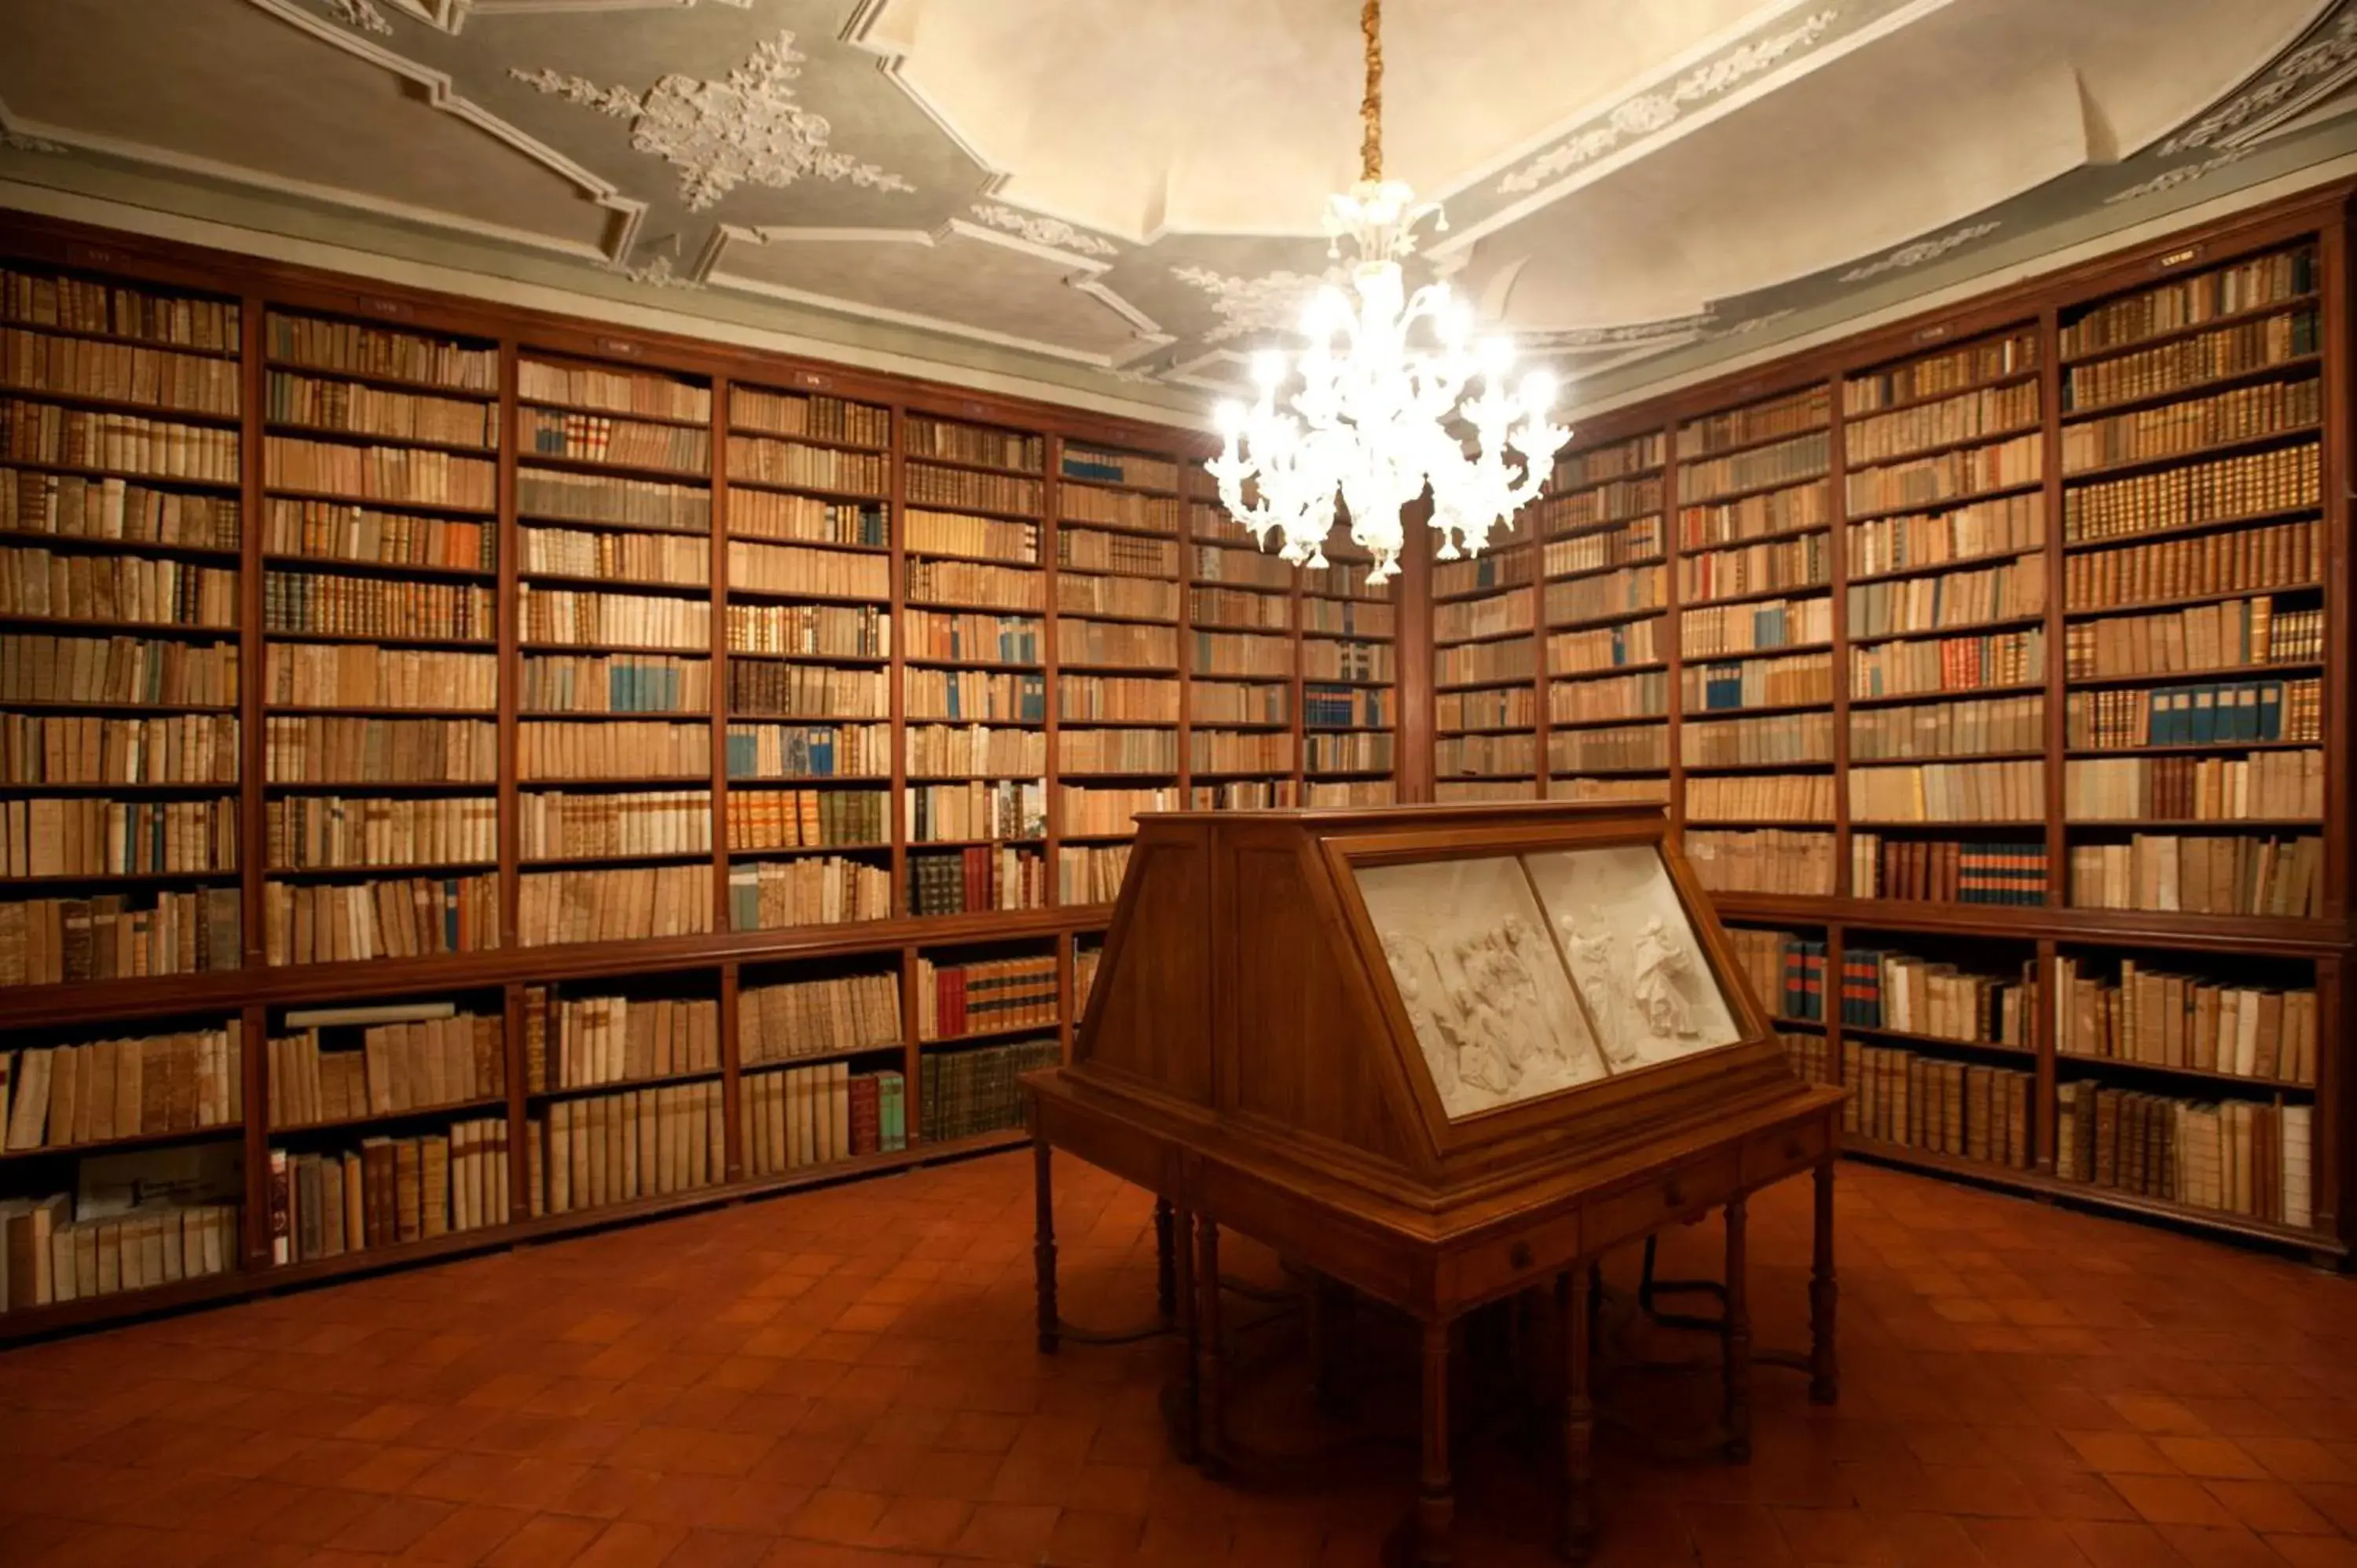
(1268, 370)
(1538, 392)
(1229, 417)
(1497, 357)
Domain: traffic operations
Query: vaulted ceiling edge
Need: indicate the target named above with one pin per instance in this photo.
(1119, 202)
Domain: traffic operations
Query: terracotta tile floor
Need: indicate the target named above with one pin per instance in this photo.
(846, 1378)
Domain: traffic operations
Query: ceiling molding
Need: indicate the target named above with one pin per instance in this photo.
(441, 95)
(1084, 277)
(1644, 122)
(451, 15)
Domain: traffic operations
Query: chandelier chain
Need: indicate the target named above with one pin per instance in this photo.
(1370, 106)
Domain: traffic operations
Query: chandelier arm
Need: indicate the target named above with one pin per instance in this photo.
(1370, 106)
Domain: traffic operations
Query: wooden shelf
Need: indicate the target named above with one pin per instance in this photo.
(2035, 1182)
(383, 503)
(2299, 364)
(2219, 323)
(381, 438)
(36, 539)
(47, 331)
(2289, 435)
(2012, 378)
(382, 378)
(1949, 503)
(1939, 448)
(2199, 525)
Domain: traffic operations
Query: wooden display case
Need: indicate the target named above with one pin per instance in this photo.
(1441, 1055)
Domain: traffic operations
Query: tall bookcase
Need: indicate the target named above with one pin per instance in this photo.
(473, 773)
(717, 763)
(2007, 656)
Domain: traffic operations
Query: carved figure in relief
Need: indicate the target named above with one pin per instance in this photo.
(1440, 1054)
(1661, 962)
(1594, 968)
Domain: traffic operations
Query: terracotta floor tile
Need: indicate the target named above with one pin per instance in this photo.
(2270, 1506)
(720, 1548)
(393, 1525)
(835, 1513)
(2171, 1499)
(467, 1534)
(1012, 1533)
(2123, 1453)
(2210, 1457)
(2216, 1546)
(548, 1540)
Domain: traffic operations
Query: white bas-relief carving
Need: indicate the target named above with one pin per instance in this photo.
(1485, 993)
(1921, 250)
(1662, 968)
(1052, 232)
(1633, 955)
(746, 128)
(1649, 112)
(1272, 303)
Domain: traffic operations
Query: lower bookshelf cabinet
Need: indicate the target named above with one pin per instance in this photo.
(2144, 1073)
(161, 1162)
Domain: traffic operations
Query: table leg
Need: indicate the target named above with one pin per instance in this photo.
(1043, 1238)
(1578, 1517)
(1825, 1373)
(1190, 1392)
(1332, 1310)
(1738, 1355)
(1436, 1502)
(1211, 1421)
(1166, 1275)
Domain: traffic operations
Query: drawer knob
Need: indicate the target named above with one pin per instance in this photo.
(1792, 1148)
(1519, 1254)
(1675, 1195)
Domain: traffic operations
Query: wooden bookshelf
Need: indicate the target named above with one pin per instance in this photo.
(376, 558)
(500, 602)
(2047, 527)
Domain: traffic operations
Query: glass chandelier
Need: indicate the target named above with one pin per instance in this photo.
(1377, 421)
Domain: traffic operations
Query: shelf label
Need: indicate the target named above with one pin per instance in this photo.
(1931, 334)
(813, 379)
(89, 255)
(623, 347)
(383, 306)
(2176, 258)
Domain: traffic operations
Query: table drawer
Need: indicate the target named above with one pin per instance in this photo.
(1527, 1255)
(1782, 1150)
(1682, 1192)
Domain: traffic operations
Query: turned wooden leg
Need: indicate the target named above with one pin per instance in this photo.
(1738, 1358)
(1190, 1393)
(1043, 1238)
(1436, 1502)
(1210, 1368)
(1165, 1272)
(1579, 1515)
(1824, 1372)
(1332, 1310)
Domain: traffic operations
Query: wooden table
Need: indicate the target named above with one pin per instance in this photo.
(1437, 1265)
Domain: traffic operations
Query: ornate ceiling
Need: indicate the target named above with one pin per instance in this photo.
(1119, 199)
